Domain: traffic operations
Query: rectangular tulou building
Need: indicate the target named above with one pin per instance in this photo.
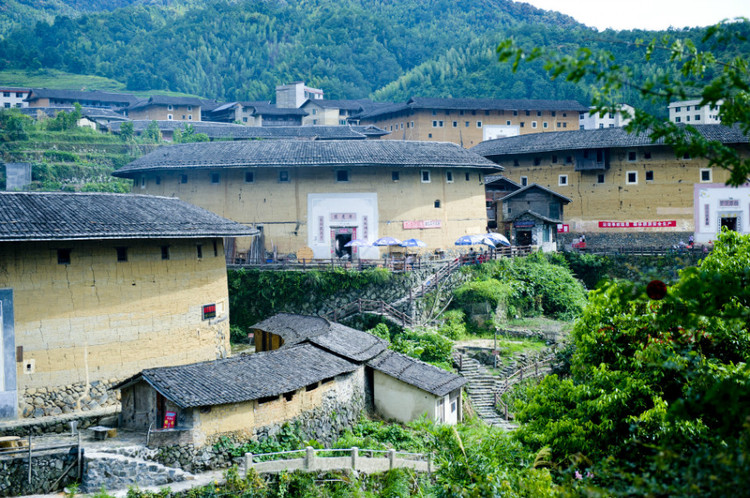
(626, 189)
(96, 287)
(321, 194)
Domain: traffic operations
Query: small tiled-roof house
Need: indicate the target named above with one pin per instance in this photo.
(398, 386)
(530, 216)
(306, 370)
(239, 395)
(96, 287)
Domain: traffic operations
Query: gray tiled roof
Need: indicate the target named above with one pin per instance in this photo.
(350, 343)
(496, 104)
(535, 186)
(308, 153)
(416, 373)
(165, 100)
(244, 377)
(496, 180)
(265, 109)
(95, 216)
(215, 129)
(534, 214)
(89, 112)
(592, 139)
(349, 105)
(476, 104)
(79, 95)
(293, 328)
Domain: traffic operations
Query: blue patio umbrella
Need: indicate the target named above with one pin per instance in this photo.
(470, 240)
(497, 238)
(357, 243)
(386, 241)
(412, 243)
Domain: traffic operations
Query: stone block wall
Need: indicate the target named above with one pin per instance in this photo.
(47, 471)
(60, 424)
(57, 400)
(601, 241)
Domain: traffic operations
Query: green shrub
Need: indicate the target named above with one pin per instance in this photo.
(381, 330)
(454, 324)
(426, 346)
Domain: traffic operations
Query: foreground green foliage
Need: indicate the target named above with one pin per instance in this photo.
(530, 286)
(659, 393)
(473, 460)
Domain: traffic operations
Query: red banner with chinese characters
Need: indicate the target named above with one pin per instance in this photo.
(637, 224)
(561, 228)
(412, 225)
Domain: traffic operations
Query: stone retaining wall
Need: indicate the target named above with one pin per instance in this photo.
(52, 401)
(116, 471)
(60, 424)
(46, 471)
(600, 241)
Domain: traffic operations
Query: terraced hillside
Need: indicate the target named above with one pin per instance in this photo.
(72, 160)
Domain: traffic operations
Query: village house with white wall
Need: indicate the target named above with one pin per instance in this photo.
(303, 364)
(593, 120)
(96, 287)
(13, 97)
(692, 112)
(321, 194)
(626, 190)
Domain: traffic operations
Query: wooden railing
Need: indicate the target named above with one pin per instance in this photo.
(338, 459)
(28, 446)
(537, 369)
(368, 306)
(393, 264)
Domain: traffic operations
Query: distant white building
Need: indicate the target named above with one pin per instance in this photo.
(592, 120)
(295, 94)
(13, 97)
(718, 206)
(691, 112)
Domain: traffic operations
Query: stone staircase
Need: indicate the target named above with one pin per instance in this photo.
(121, 468)
(481, 387)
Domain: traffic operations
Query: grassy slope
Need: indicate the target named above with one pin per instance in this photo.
(52, 78)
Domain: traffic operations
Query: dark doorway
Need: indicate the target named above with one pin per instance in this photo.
(730, 223)
(523, 237)
(339, 238)
(161, 409)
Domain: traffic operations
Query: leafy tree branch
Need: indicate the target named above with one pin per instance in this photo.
(692, 72)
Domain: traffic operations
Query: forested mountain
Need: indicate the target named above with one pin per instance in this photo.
(240, 50)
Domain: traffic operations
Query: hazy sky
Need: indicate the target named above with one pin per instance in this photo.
(646, 14)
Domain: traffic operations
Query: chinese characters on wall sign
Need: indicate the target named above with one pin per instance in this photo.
(637, 224)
